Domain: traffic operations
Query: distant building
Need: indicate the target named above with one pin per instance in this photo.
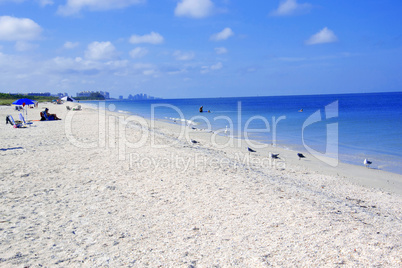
(46, 94)
(84, 94)
(105, 94)
(61, 95)
(140, 96)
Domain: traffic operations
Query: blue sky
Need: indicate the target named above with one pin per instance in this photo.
(201, 48)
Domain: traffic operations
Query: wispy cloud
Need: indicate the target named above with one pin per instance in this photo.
(25, 46)
(221, 50)
(18, 29)
(214, 67)
(151, 38)
(316, 58)
(138, 52)
(194, 8)
(291, 59)
(291, 7)
(45, 2)
(70, 45)
(223, 35)
(322, 37)
(183, 56)
(73, 7)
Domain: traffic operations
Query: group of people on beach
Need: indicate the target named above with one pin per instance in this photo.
(45, 115)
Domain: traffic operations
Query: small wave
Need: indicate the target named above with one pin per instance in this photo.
(187, 122)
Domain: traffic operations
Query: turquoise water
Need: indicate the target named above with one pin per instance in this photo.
(369, 125)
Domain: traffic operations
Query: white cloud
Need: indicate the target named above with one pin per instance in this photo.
(223, 35)
(148, 72)
(18, 29)
(138, 52)
(45, 2)
(152, 38)
(100, 51)
(70, 45)
(85, 66)
(180, 55)
(291, 59)
(323, 36)
(194, 8)
(291, 7)
(217, 66)
(75, 6)
(206, 69)
(221, 50)
(24, 46)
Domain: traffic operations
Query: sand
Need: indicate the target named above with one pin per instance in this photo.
(97, 189)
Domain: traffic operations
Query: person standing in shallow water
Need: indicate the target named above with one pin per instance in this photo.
(201, 109)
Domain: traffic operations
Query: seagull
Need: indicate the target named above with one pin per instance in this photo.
(250, 150)
(274, 156)
(194, 141)
(300, 155)
(367, 163)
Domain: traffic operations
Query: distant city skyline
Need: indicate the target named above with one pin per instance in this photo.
(201, 48)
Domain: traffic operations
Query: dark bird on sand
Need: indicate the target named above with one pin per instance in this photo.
(275, 156)
(300, 155)
(250, 150)
(367, 163)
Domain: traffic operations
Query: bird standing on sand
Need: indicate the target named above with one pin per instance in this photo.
(367, 163)
(300, 155)
(250, 150)
(274, 156)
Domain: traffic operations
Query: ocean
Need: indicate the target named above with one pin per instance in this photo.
(360, 126)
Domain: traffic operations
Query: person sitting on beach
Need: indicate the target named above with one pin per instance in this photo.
(45, 115)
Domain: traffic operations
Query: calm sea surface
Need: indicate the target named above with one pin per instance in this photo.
(369, 125)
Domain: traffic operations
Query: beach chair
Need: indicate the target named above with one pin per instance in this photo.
(22, 119)
(12, 122)
(43, 116)
(77, 108)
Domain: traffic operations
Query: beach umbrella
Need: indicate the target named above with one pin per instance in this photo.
(23, 102)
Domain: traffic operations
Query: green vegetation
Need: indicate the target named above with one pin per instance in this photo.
(93, 96)
(8, 99)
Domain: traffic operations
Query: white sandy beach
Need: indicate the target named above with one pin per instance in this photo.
(91, 190)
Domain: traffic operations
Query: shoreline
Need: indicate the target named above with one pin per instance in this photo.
(359, 173)
(346, 154)
(81, 193)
